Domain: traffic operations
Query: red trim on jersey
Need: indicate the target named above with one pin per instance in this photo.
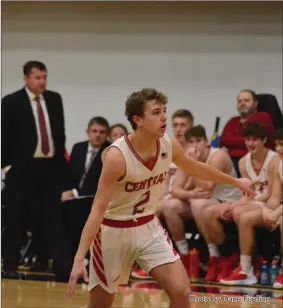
(127, 223)
(168, 239)
(149, 164)
(97, 260)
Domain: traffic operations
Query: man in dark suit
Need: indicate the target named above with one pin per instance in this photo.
(85, 167)
(33, 146)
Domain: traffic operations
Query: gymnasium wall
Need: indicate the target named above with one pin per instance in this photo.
(199, 54)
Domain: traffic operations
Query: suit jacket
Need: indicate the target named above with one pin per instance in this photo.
(76, 169)
(19, 136)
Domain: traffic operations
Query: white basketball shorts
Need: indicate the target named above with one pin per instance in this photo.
(119, 244)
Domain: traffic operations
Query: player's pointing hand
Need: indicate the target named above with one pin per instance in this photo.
(246, 186)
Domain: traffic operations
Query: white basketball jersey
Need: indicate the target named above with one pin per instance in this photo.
(262, 176)
(222, 191)
(138, 193)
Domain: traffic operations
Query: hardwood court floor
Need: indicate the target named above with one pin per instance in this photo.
(39, 294)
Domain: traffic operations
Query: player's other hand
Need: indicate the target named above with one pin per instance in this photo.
(227, 213)
(200, 193)
(78, 271)
(269, 218)
(246, 186)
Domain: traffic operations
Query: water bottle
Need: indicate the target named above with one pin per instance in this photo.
(274, 271)
(194, 268)
(264, 274)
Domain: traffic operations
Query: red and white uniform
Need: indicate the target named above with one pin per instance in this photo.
(259, 175)
(130, 231)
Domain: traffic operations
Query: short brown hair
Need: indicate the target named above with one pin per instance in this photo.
(197, 131)
(183, 113)
(256, 130)
(136, 101)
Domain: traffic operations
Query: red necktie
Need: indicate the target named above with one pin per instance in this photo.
(42, 128)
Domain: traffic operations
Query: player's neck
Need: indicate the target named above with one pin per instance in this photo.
(142, 142)
(260, 155)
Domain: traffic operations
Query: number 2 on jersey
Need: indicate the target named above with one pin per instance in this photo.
(144, 199)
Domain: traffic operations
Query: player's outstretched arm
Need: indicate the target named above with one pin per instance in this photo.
(205, 172)
(114, 168)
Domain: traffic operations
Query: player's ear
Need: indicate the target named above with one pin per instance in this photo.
(137, 120)
(264, 140)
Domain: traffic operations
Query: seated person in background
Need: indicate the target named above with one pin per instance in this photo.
(191, 201)
(84, 170)
(182, 121)
(268, 217)
(117, 131)
(254, 167)
(232, 138)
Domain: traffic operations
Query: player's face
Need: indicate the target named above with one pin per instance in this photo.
(154, 119)
(198, 143)
(97, 135)
(36, 81)
(116, 133)
(279, 147)
(254, 144)
(180, 126)
(245, 104)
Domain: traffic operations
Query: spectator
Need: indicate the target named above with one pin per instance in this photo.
(33, 144)
(182, 121)
(116, 131)
(232, 139)
(84, 171)
(191, 201)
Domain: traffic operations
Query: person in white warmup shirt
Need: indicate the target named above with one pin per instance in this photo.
(253, 166)
(191, 201)
(122, 227)
(268, 216)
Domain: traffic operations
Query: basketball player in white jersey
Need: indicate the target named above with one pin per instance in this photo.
(191, 202)
(254, 167)
(182, 121)
(121, 227)
(268, 216)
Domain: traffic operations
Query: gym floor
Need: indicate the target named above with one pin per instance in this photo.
(32, 291)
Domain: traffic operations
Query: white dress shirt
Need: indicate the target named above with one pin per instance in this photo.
(90, 151)
(38, 152)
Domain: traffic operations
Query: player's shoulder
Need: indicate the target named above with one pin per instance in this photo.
(113, 154)
(166, 139)
(219, 155)
(244, 158)
(275, 159)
